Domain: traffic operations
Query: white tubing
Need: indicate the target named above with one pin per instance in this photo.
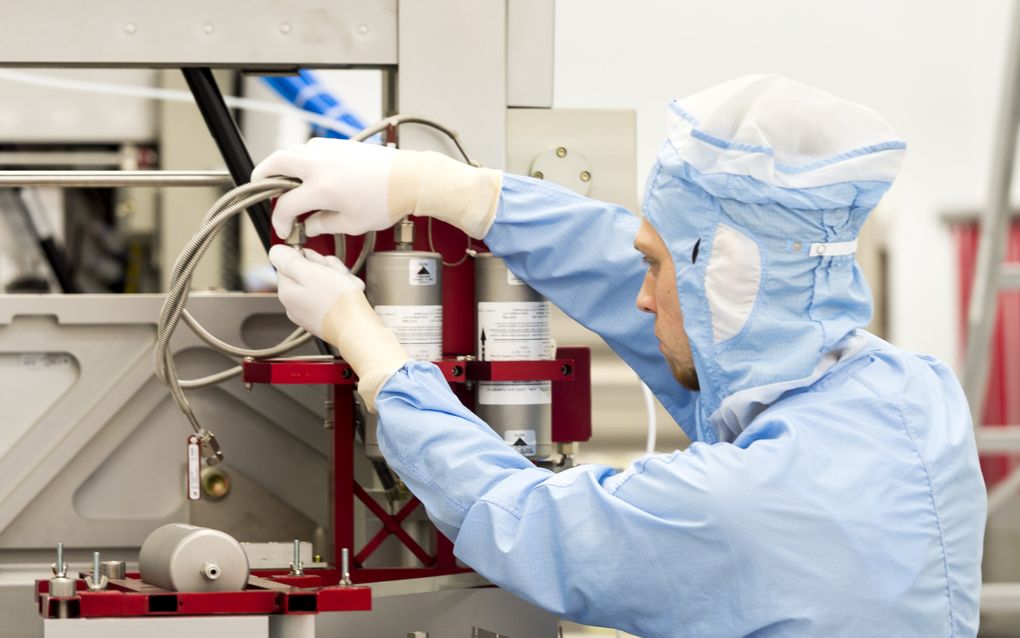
(173, 95)
(651, 416)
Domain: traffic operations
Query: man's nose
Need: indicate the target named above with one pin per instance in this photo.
(645, 299)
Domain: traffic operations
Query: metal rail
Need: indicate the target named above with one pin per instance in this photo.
(114, 179)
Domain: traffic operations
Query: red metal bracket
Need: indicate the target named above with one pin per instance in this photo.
(391, 526)
(265, 594)
(338, 372)
(570, 376)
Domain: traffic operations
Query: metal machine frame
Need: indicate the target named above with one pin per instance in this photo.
(467, 76)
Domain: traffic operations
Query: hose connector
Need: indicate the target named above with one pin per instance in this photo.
(297, 238)
(211, 452)
(403, 234)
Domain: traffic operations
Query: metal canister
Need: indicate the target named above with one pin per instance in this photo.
(513, 324)
(183, 557)
(406, 289)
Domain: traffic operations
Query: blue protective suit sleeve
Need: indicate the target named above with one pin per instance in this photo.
(579, 253)
(533, 532)
(580, 543)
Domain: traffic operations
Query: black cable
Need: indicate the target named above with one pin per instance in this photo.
(235, 154)
(228, 139)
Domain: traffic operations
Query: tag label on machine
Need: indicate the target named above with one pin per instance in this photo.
(513, 279)
(521, 440)
(418, 328)
(421, 272)
(194, 469)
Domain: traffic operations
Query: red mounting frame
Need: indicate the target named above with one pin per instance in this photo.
(569, 372)
(267, 593)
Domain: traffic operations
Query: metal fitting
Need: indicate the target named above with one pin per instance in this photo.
(210, 571)
(63, 588)
(297, 237)
(215, 483)
(403, 234)
(211, 452)
(345, 567)
(113, 569)
(297, 568)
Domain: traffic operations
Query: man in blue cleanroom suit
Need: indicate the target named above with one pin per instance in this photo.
(832, 488)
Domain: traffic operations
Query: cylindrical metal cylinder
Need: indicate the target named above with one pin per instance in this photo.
(113, 569)
(406, 289)
(513, 324)
(182, 557)
(62, 587)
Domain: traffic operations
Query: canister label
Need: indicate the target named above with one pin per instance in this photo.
(513, 331)
(515, 392)
(418, 328)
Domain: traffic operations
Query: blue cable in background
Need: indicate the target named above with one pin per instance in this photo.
(307, 92)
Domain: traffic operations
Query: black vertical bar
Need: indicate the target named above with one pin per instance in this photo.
(228, 138)
(54, 254)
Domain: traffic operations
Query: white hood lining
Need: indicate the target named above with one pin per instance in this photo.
(732, 280)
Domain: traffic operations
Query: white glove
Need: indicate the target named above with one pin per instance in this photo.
(324, 298)
(359, 187)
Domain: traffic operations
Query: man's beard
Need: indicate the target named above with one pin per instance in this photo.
(687, 376)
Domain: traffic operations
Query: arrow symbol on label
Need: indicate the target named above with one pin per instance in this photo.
(482, 339)
(424, 271)
(519, 442)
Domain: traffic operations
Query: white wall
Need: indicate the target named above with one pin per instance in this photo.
(933, 68)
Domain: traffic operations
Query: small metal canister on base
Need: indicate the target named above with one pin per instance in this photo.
(182, 557)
